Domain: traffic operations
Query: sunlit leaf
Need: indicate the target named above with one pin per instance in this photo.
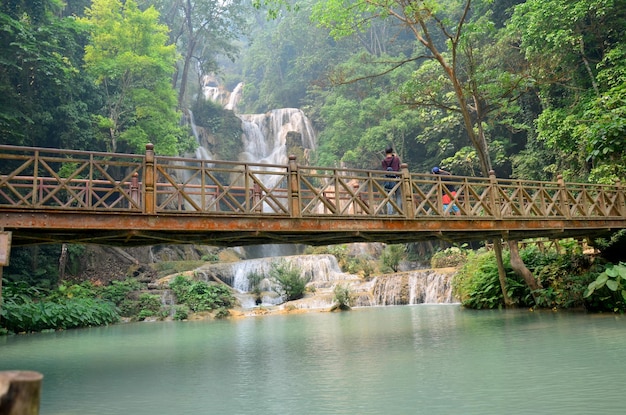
(612, 285)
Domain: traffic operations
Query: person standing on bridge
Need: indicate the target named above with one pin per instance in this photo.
(391, 163)
(446, 196)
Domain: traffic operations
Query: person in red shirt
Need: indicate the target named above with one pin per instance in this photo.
(445, 198)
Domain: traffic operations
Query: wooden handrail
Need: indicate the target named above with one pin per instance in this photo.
(50, 179)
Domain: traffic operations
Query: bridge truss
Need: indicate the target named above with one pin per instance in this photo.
(58, 196)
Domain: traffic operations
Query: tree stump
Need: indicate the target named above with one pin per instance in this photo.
(20, 392)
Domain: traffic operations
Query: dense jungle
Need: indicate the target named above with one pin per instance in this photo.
(530, 89)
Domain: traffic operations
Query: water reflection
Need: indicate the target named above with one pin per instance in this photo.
(400, 360)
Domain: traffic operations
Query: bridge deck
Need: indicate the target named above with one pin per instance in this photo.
(52, 196)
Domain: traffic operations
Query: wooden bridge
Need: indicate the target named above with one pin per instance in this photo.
(58, 196)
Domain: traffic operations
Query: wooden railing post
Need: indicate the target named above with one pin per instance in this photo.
(563, 197)
(495, 199)
(294, 187)
(407, 191)
(148, 180)
(621, 199)
(135, 196)
(256, 198)
(20, 392)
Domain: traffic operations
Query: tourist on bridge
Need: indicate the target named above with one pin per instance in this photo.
(392, 163)
(446, 197)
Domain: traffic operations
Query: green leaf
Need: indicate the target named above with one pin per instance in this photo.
(612, 285)
(602, 279)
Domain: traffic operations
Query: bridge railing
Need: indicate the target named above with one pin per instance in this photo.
(37, 178)
(202, 186)
(63, 179)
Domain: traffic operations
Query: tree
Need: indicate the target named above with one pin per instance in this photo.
(45, 99)
(202, 29)
(129, 59)
(577, 56)
(447, 39)
(291, 282)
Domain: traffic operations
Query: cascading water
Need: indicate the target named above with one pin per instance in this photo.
(266, 138)
(426, 286)
(323, 274)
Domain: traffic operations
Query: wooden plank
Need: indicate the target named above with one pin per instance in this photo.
(5, 248)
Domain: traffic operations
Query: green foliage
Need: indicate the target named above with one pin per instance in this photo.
(563, 281)
(36, 265)
(200, 295)
(128, 57)
(582, 121)
(392, 255)
(563, 278)
(342, 297)
(181, 312)
(608, 290)
(164, 268)
(149, 305)
(613, 246)
(221, 124)
(222, 312)
(359, 266)
(449, 257)
(26, 315)
(210, 258)
(117, 291)
(255, 278)
(476, 284)
(291, 283)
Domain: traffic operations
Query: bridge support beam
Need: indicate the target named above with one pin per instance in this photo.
(5, 253)
(20, 392)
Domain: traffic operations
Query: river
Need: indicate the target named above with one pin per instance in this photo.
(423, 359)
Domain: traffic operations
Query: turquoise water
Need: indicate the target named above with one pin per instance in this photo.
(424, 359)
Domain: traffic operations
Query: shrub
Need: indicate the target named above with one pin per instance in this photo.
(343, 298)
(222, 312)
(200, 295)
(181, 312)
(450, 257)
(477, 284)
(27, 316)
(291, 282)
(608, 290)
(255, 278)
(562, 277)
(391, 256)
(117, 291)
(149, 306)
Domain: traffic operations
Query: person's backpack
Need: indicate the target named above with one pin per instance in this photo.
(390, 184)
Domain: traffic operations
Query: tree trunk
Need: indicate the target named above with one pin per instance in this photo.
(63, 262)
(497, 248)
(20, 392)
(520, 269)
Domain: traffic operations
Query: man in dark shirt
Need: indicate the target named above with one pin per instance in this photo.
(392, 163)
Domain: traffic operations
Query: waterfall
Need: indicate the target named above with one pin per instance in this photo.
(265, 135)
(234, 97)
(426, 286)
(324, 273)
